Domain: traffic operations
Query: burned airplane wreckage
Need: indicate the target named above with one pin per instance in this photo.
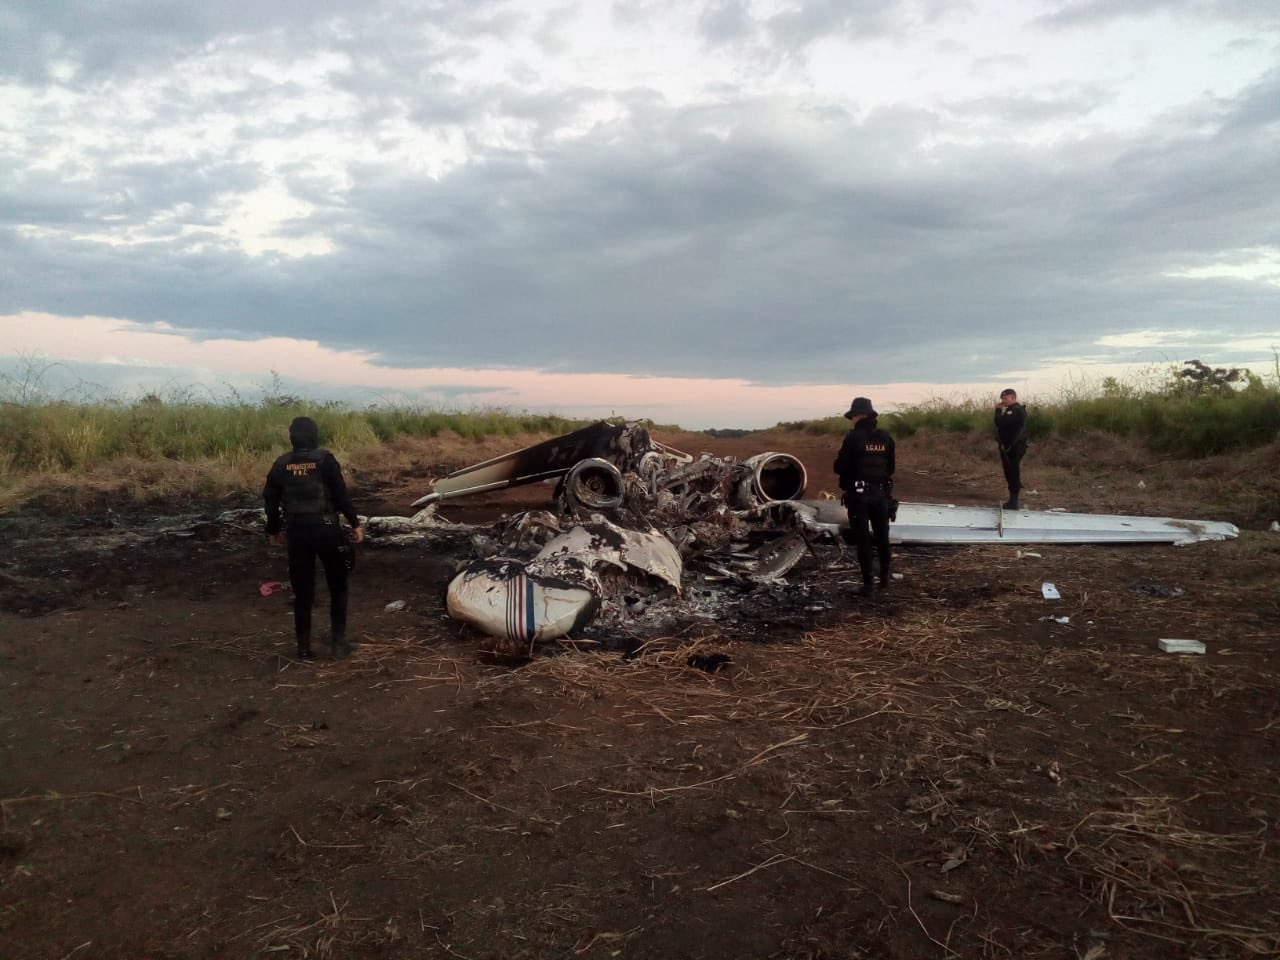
(629, 515)
(641, 535)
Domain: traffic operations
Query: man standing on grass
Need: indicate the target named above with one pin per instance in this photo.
(307, 487)
(1011, 436)
(865, 466)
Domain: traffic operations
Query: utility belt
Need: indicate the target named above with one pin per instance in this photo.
(312, 520)
(862, 487)
(870, 486)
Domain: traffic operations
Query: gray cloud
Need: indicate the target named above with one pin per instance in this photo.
(726, 22)
(107, 38)
(1083, 13)
(657, 253)
(799, 24)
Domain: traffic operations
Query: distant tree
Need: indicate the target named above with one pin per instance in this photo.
(1199, 379)
(1111, 387)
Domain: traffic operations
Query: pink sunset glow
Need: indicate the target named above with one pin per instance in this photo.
(157, 355)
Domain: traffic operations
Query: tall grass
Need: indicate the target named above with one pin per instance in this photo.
(1187, 414)
(77, 437)
(1177, 416)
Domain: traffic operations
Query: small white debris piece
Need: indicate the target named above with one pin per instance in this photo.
(1025, 554)
(1142, 484)
(1182, 646)
(1049, 591)
(1275, 526)
(395, 606)
(896, 576)
(1057, 619)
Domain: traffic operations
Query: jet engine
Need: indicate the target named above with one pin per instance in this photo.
(769, 477)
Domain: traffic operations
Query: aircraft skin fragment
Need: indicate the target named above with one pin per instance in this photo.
(946, 523)
(502, 598)
(562, 588)
(602, 543)
(621, 444)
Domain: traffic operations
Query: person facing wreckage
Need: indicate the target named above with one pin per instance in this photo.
(304, 495)
(865, 466)
(1011, 436)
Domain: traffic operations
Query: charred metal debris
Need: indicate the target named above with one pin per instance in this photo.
(640, 537)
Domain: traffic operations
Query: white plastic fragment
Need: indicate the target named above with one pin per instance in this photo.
(1057, 619)
(896, 576)
(1023, 554)
(1142, 484)
(395, 606)
(1182, 646)
(1049, 591)
(1275, 526)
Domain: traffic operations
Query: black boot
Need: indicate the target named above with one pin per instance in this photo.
(1011, 504)
(886, 577)
(338, 644)
(867, 588)
(304, 649)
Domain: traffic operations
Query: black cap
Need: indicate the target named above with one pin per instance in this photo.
(861, 407)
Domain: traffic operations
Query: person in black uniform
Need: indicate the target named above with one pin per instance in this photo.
(865, 466)
(304, 495)
(1011, 435)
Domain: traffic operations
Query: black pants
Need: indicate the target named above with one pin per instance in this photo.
(868, 524)
(1011, 461)
(307, 541)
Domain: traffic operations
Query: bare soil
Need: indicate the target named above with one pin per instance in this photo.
(943, 771)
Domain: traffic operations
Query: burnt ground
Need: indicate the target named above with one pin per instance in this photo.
(940, 772)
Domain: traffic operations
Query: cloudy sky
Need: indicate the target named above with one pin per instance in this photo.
(708, 212)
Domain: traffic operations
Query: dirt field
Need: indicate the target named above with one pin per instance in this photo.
(941, 772)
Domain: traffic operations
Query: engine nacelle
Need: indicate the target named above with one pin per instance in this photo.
(770, 477)
(592, 484)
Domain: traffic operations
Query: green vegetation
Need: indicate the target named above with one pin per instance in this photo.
(76, 436)
(153, 445)
(1193, 412)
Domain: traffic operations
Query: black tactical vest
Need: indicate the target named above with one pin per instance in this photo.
(305, 494)
(874, 462)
